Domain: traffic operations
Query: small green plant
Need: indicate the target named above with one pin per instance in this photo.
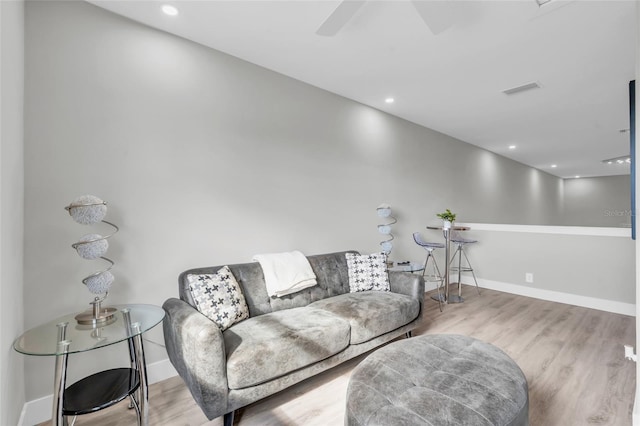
(447, 215)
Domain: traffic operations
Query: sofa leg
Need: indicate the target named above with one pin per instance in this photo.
(408, 334)
(228, 419)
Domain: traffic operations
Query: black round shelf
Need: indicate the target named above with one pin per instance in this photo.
(100, 390)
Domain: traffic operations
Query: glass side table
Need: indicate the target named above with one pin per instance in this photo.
(64, 336)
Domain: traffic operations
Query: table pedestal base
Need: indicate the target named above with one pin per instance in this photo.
(456, 298)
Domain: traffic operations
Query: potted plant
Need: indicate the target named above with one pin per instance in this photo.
(447, 218)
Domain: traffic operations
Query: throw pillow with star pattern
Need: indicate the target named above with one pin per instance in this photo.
(367, 272)
(219, 297)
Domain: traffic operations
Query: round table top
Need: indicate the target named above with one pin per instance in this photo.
(454, 227)
(43, 340)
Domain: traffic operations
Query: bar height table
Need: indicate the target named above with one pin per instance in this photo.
(454, 298)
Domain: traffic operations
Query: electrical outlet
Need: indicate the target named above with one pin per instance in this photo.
(629, 353)
(528, 277)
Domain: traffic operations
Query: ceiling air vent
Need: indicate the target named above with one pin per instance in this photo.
(522, 88)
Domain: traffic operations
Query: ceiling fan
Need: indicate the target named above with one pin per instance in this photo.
(437, 15)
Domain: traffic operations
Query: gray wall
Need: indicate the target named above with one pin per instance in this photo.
(206, 159)
(12, 388)
(601, 267)
(601, 201)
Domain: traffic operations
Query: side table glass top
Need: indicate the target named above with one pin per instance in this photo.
(43, 340)
(407, 267)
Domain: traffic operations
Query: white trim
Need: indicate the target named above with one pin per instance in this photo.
(39, 410)
(566, 298)
(160, 370)
(23, 413)
(636, 414)
(560, 230)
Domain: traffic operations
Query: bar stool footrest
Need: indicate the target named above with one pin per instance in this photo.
(463, 269)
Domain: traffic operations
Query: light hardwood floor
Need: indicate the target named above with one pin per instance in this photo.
(572, 358)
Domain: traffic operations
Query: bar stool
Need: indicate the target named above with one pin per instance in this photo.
(460, 242)
(435, 275)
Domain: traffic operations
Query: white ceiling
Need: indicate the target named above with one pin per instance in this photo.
(581, 52)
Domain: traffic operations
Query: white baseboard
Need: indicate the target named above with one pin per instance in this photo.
(39, 410)
(36, 411)
(567, 298)
(160, 370)
(555, 296)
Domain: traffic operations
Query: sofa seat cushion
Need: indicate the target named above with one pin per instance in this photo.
(371, 313)
(268, 346)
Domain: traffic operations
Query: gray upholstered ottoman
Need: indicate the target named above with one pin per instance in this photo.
(437, 380)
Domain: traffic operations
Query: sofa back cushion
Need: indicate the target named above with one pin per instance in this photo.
(330, 269)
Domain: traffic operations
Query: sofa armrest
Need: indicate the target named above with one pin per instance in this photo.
(196, 349)
(407, 283)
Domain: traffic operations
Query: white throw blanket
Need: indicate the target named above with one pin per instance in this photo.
(285, 273)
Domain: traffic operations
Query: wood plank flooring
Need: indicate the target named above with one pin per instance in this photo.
(573, 359)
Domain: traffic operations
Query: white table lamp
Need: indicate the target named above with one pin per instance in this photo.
(384, 211)
(89, 210)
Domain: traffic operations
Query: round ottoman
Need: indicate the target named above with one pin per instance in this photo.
(437, 380)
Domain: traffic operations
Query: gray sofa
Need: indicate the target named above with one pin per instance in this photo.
(285, 340)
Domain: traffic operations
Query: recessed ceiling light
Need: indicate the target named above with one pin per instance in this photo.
(553, 166)
(618, 160)
(512, 147)
(389, 100)
(169, 10)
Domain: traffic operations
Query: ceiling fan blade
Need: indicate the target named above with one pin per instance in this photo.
(438, 15)
(339, 17)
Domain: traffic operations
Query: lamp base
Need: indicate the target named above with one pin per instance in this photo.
(88, 318)
(97, 315)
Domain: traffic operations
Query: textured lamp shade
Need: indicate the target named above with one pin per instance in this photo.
(92, 246)
(384, 210)
(100, 283)
(384, 229)
(87, 209)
